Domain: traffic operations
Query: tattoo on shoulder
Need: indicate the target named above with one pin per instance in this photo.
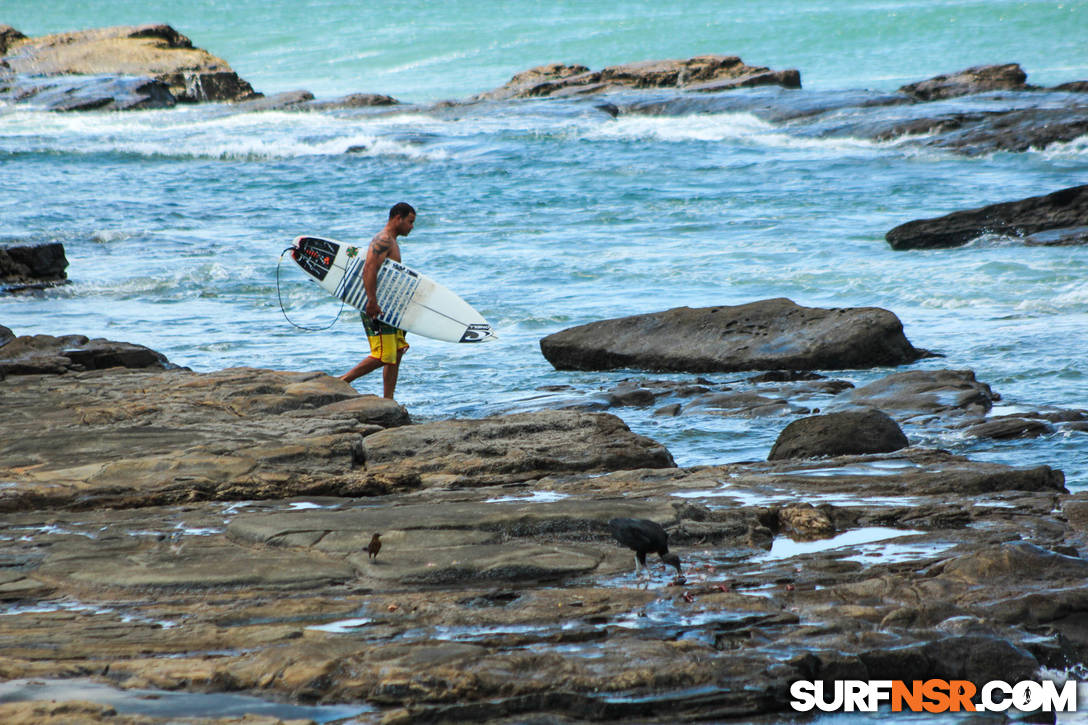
(379, 246)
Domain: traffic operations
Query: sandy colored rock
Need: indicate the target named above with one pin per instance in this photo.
(132, 438)
(155, 51)
(702, 73)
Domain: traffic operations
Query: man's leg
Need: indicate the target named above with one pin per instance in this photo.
(390, 373)
(368, 365)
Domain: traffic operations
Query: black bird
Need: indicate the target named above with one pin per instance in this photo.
(645, 537)
(374, 546)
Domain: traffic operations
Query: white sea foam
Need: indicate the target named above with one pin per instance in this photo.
(1075, 149)
(241, 136)
(743, 129)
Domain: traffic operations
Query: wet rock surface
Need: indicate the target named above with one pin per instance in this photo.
(1062, 215)
(766, 335)
(165, 531)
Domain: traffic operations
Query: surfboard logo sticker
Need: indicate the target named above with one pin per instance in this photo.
(314, 255)
(352, 252)
(476, 333)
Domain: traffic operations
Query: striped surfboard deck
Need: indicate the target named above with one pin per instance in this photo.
(409, 300)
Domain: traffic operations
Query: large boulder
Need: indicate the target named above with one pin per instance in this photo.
(148, 52)
(512, 448)
(839, 434)
(767, 335)
(702, 73)
(1061, 210)
(32, 265)
(1008, 77)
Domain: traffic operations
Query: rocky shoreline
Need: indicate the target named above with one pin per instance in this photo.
(176, 533)
(166, 530)
(155, 66)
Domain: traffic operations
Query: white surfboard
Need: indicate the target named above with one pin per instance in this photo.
(410, 300)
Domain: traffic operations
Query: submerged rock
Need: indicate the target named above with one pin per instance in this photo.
(925, 392)
(703, 73)
(837, 434)
(1061, 210)
(768, 335)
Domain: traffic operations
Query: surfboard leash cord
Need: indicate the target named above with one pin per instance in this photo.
(279, 296)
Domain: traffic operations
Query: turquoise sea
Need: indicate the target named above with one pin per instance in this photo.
(549, 213)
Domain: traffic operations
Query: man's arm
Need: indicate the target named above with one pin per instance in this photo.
(375, 257)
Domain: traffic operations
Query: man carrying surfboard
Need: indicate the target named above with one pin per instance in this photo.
(387, 343)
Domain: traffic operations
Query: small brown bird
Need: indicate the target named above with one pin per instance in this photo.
(374, 546)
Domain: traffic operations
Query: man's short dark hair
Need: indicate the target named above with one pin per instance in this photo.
(401, 209)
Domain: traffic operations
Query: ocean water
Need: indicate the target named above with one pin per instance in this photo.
(550, 213)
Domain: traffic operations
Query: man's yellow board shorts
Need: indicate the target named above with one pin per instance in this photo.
(385, 340)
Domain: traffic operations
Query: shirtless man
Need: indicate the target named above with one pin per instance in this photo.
(387, 344)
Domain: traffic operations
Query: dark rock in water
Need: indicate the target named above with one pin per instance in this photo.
(48, 355)
(1005, 114)
(610, 108)
(1008, 427)
(837, 434)
(743, 404)
(925, 392)
(1016, 131)
(6, 335)
(91, 93)
(703, 73)
(355, 100)
(1074, 236)
(767, 335)
(1072, 87)
(1010, 77)
(132, 60)
(1065, 209)
(32, 266)
(978, 658)
(288, 100)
